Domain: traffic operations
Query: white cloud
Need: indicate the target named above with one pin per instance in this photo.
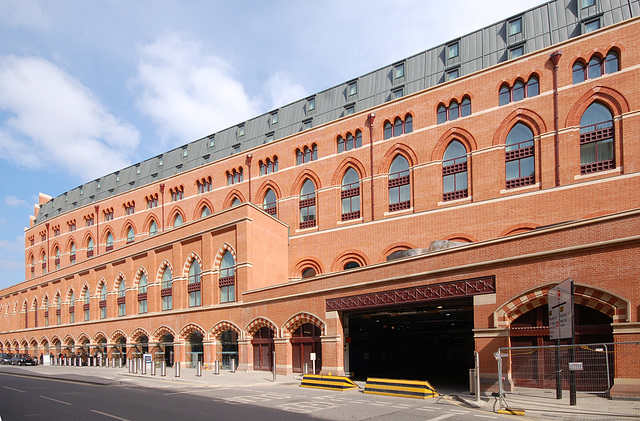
(188, 93)
(14, 201)
(23, 13)
(52, 120)
(282, 91)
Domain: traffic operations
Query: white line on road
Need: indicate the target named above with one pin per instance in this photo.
(442, 417)
(55, 400)
(109, 415)
(11, 388)
(486, 416)
(425, 409)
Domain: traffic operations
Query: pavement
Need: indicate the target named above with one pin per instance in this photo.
(533, 403)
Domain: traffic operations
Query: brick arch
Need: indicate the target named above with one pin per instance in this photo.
(296, 186)
(235, 193)
(33, 342)
(521, 115)
(69, 291)
(397, 149)
(268, 184)
(190, 328)
(454, 133)
(305, 263)
(137, 333)
(298, 320)
(349, 256)
(393, 248)
(55, 339)
(341, 169)
(68, 338)
(189, 261)
(201, 204)
(146, 225)
(119, 278)
(125, 227)
(101, 282)
(225, 247)
(260, 322)
(518, 229)
(70, 240)
(165, 264)
(99, 335)
(103, 235)
(86, 237)
(223, 326)
(173, 212)
(139, 272)
(161, 331)
(34, 304)
(55, 244)
(83, 336)
(605, 302)
(117, 334)
(43, 340)
(616, 102)
(461, 236)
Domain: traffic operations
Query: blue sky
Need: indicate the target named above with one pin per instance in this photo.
(87, 88)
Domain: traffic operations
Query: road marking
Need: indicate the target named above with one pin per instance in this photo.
(459, 410)
(109, 415)
(11, 388)
(442, 417)
(486, 416)
(55, 400)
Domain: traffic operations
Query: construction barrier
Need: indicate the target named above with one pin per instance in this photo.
(328, 382)
(420, 389)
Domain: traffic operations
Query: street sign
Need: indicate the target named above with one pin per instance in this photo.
(561, 310)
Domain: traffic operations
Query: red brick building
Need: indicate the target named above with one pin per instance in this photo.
(419, 223)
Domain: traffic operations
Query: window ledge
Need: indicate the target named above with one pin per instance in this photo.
(519, 189)
(399, 212)
(468, 199)
(615, 171)
(350, 221)
(310, 229)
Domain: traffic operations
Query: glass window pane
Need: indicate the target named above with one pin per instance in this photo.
(588, 153)
(452, 50)
(595, 68)
(518, 91)
(397, 127)
(461, 180)
(448, 183)
(515, 26)
(408, 124)
(394, 195)
(594, 115)
(453, 110)
(512, 170)
(465, 107)
(605, 150)
(405, 193)
(611, 63)
(505, 95)
(442, 114)
(388, 129)
(526, 166)
(533, 88)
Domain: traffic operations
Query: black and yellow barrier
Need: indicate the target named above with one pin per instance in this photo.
(420, 389)
(328, 382)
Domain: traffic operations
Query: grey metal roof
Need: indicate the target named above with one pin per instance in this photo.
(547, 24)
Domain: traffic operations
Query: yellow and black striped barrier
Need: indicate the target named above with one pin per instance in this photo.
(420, 389)
(328, 382)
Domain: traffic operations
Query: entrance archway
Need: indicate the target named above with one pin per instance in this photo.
(262, 349)
(228, 348)
(166, 349)
(196, 349)
(305, 341)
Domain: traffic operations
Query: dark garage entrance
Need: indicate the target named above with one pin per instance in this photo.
(433, 343)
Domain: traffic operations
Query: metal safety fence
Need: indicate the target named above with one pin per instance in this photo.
(592, 378)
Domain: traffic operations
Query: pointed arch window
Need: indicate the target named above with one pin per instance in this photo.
(519, 157)
(307, 205)
(205, 211)
(533, 87)
(177, 221)
(57, 258)
(58, 301)
(611, 63)
(153, 228)
(90, 247)
(235, 202)
(194, 287)
(596, 139)
(454, 172)
(86, 304)
(465, 107)
(517, 93)
(167, 289)
(350, 195)
(109, 245)
(46, 310)
(142, 293)
(269, 203)
(399, 184)
(579, 72)
(131, 235)
(103, 301)
(122, 298)
(453, 110)
(227, 281)
(594, 69)
(72, 307)
(442, 114)
(44, 263)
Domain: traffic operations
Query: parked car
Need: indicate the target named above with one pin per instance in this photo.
(31, 360)
(5, 358)
(18, 359)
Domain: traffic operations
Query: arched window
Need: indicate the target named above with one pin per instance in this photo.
(57, 259)
(578, 72)
(90, 247)
(72, 253)
(611, 64)
(307, 154)
(388, 130)
(298, 157)
(350, 141)
(131, 235)
(235, 202)
(44, 263)
(504, 97)
(519, 157)
(351, 265)
(177, 221)
(205, 211)
(103, 301)
(142, 293)
(86, 305)
(517, 93)
(341, 144)
(398, 184)
(122, 304)
(533, 87)
(358, 139)
(442, 114)
(153, 228)
(350, 195)
(109, 245)
(58, 302)
(307, 204)
(72, 307)
(166, 291)
(227, 281)
(596, 139)
(465, 107)
(454, 172)
(33, 267)
(269, 204)
(397, 126)
(45, 303)
(453, 110)
(309, 273)
(594, 69)
(194, 287)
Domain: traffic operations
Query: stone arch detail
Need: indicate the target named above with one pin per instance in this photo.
(161, 331)
(125, 227)
(262, 190)
(139, 273)
(222, 326)
(349, 256)
(600, 300)
(341, 169)
(298, 320)
(454, 133)
(225, 247)
(84, 337)
(258, 323)
(461, 236)
(101, 282)
(201, 204)
(43, 340)
(165, 264)
(521, 115)
(187, 263)
(173, 212)
(147, 222)
(99, 335)
(187, 330)
(517, 229)
(68, 339)
(393, 248)
(117, 334)
(119, 279)
(612, 98)
(397, 149)
(296, 186)
(235, 193)
(309, 262)
(136, 334)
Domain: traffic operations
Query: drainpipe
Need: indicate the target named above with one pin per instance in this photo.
(97, 208)
(370, 118)
(162, 194)
(249, 158)
(555, 59)
(48, 249)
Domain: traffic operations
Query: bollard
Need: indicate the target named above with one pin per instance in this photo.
(216, 368)
(163, 369)
(233, 365)
(199, 369)
(153, 368)
(143, 368)
(274, 366)
(121, 362)
(134, 366)
(177, 366)
(113, 362)
(306, 369)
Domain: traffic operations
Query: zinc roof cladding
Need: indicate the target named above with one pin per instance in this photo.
(544, 25)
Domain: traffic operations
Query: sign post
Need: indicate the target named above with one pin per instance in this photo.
(561, 326)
